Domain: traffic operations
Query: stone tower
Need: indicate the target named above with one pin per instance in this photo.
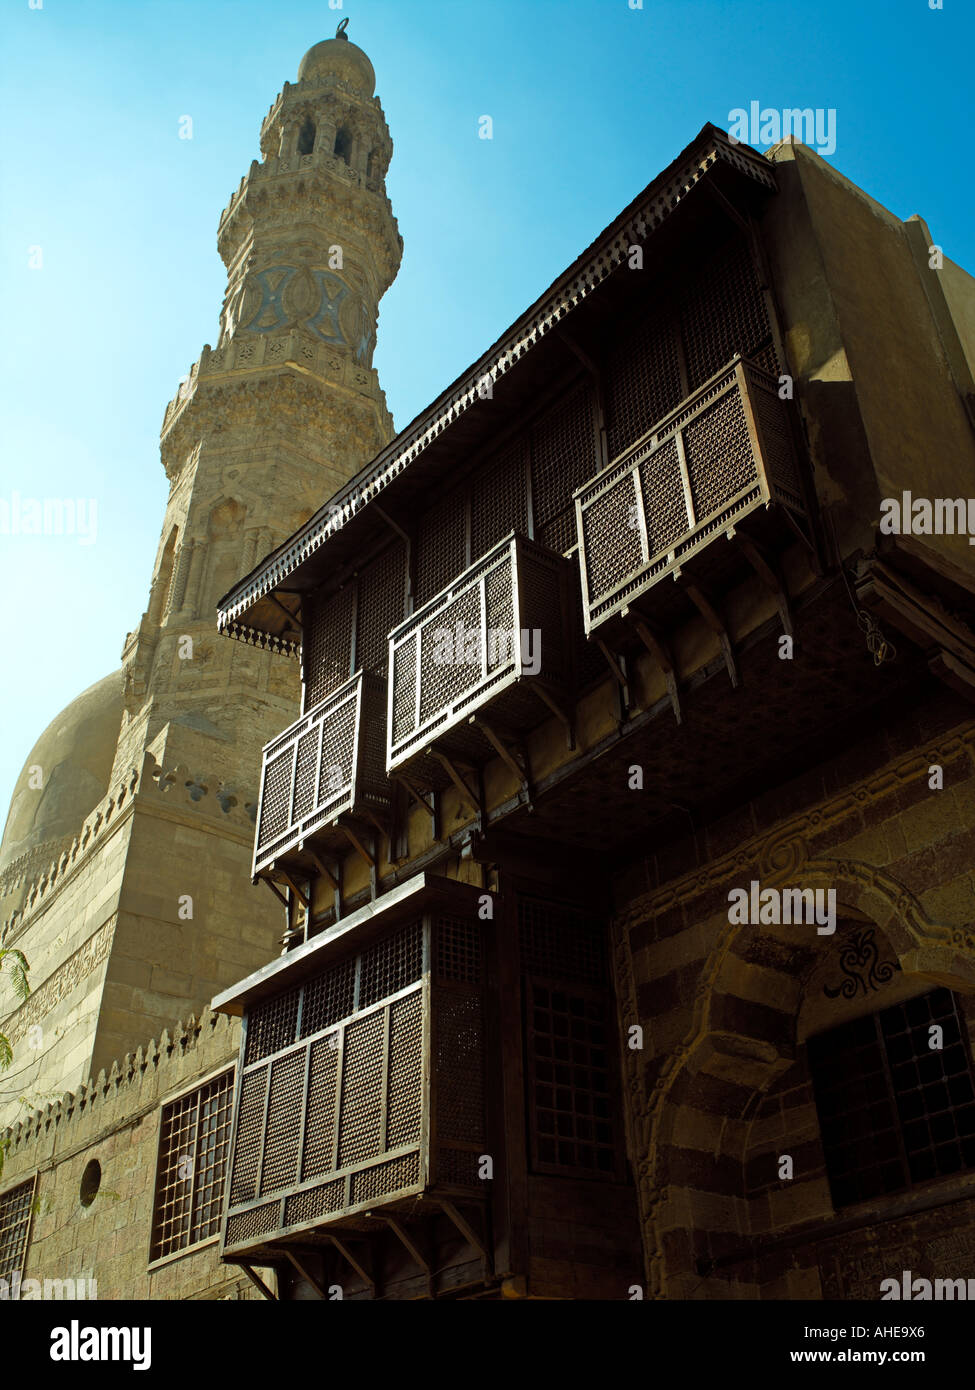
(125, 864)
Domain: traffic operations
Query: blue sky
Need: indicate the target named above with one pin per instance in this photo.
(589, 101)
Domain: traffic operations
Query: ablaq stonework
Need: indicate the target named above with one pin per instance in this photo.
(574, 793)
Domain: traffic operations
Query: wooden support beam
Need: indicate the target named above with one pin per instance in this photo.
(500, 743)
(259, 1283)
(466, 794)
(295, 889)
(423, 805)
(612, 662)
(714, 621)
(659, 649)
(357, 844)
(276, 891)
(403, 1235)
(464, 1226)
(768, 572)
(291, 617)
(305, 1274)
(561, 714)
(351, 1259)
(316, 859)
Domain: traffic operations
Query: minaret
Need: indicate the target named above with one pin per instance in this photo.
(129, 891)
(279, 415)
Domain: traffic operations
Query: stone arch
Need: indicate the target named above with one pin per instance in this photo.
(306, 137)
(343, 144)
(692, 1133)
(163, 578)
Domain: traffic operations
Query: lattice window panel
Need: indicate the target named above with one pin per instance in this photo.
(570, 1085)
(194, 1138)
(894, 1112)
(441, 545)
(459, 950)
(283, 1123)
(247, 1140)
(16, 1206)
(360, 1134)
(720, 462)
(391, 964)
(328, 998)
(327, 644)
(275, 798)
(563, 456)
(405, 1076)
(643, 380)
(271, 1026)
(446, 680)
(382, 605)
(341, 1111)
(723, 312)
(458, 1061)
(499, 498)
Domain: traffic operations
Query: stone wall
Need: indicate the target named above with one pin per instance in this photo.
(115, 1119)
(721, 1088)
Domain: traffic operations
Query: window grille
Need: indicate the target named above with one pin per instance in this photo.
(893, 1111)
(381, 607)
(193, 1150)
(572, 1101)
(16, 1207)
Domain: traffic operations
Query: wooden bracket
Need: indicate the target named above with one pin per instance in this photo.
(464, 1226)
(305, 1274)
(291, 617)
(357, 844)
(423, 805)
(467, 795)
(714, 621)
(768, 572)
(410, 1245)
(504, 744)
(561, 714)
(351, 1259)
(295, 889)
(659, 649)
(316, 859)
(276, 891)
(259, 1283)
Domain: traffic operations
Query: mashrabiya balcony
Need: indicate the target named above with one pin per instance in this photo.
(712, 468)
(361, 1079)
(486, 659)
(328, 764)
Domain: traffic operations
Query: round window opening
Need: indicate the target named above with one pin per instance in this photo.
(91, 1181)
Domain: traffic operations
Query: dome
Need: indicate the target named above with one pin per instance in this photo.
(342, 59)
(75, 753)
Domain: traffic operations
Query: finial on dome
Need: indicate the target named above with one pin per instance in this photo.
(340, 31)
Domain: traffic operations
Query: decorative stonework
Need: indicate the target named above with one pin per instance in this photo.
(924, 946)
(58, 985)
(860, 964)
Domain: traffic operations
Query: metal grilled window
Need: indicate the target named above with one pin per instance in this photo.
(16, 1207)
(563, 457)
(193, 1151)
(893, 1110)
(573, 1106)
